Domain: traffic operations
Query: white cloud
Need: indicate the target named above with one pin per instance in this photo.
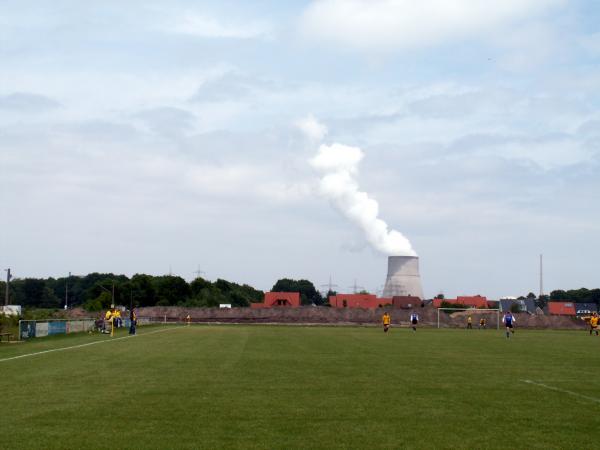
(312, 128)
(204, 26)
(384, 25)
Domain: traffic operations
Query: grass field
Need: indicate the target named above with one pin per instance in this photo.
(303, 387)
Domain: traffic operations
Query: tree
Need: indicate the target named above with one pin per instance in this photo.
(558, 295)
(170, 290)
(531, 296)
(542, 301)
(515, 308)
(440, 296)
(308, 293)
(143, 291)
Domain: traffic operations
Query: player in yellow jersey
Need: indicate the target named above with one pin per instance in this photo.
(594, 323)
(387, 320)
(107, 321)
(469, 323)
(188, 320)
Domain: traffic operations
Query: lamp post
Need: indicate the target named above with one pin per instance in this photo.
(67, 291)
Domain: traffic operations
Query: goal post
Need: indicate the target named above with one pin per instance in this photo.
(476, 312)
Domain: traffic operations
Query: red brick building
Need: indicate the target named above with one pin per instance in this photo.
(279, 299)
(358, 301)
(562, 308)
(406, 302)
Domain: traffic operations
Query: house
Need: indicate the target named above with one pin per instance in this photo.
(525, 305)
(585, 309)
(473, 301)
(279, 299)
(561, 308)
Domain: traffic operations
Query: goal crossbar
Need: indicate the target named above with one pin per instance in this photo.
(474, 311)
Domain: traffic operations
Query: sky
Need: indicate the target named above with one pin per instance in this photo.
(156, 137)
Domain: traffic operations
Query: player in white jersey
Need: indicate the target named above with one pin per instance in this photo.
(509, 321)
(414, 320)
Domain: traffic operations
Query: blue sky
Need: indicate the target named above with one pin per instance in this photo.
(140, 136)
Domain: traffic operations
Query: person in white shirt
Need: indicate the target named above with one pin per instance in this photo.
(509, 321)
(414, 320)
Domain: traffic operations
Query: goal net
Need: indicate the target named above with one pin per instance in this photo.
(459, 318)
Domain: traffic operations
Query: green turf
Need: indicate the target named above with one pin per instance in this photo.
(284, 387)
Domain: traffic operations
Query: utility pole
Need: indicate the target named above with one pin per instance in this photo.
(541, 275)
(8, 277)
(199, 272)
(329, 286)
(355, 287)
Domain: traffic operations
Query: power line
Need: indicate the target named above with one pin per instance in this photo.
(355, 287)
(329, 285)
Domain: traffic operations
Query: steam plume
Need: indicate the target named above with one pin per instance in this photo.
(338, 164)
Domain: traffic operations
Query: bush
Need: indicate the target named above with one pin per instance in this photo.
(453, 306)
(515, 308)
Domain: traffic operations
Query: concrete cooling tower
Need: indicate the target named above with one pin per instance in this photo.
(403, 277)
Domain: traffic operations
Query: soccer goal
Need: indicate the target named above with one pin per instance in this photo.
(490, 315)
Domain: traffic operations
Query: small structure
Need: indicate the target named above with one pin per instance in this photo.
(358, 301)
(11, 310)
(561, 308)
(279, 299)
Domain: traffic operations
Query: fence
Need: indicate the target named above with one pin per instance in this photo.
(41, 328)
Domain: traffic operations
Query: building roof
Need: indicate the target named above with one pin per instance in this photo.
(527, 304)
(585, 308)
(357, 301)
(475, 301)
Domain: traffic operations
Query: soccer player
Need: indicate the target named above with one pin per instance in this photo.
(132, 321)
(387, 320)
(188, 320)
(414, 320)
(107, 320)
(594, 323)
(482, 323)
(469, 323)
(509, 322)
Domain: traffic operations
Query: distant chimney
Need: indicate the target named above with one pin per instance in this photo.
(403, 277)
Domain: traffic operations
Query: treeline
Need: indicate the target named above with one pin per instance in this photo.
(582, 295)
(95, 291)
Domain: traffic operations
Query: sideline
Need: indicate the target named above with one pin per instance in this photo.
(564, 391)
(87, 344)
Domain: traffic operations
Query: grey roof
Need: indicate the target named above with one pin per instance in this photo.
(591, 307)
(527, 304)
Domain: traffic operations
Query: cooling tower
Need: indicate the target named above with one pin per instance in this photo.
(403, 277)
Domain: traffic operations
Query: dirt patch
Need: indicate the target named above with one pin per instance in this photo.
(428, 316)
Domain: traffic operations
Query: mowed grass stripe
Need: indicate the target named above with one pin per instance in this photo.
(105, 340)
(303, 387)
